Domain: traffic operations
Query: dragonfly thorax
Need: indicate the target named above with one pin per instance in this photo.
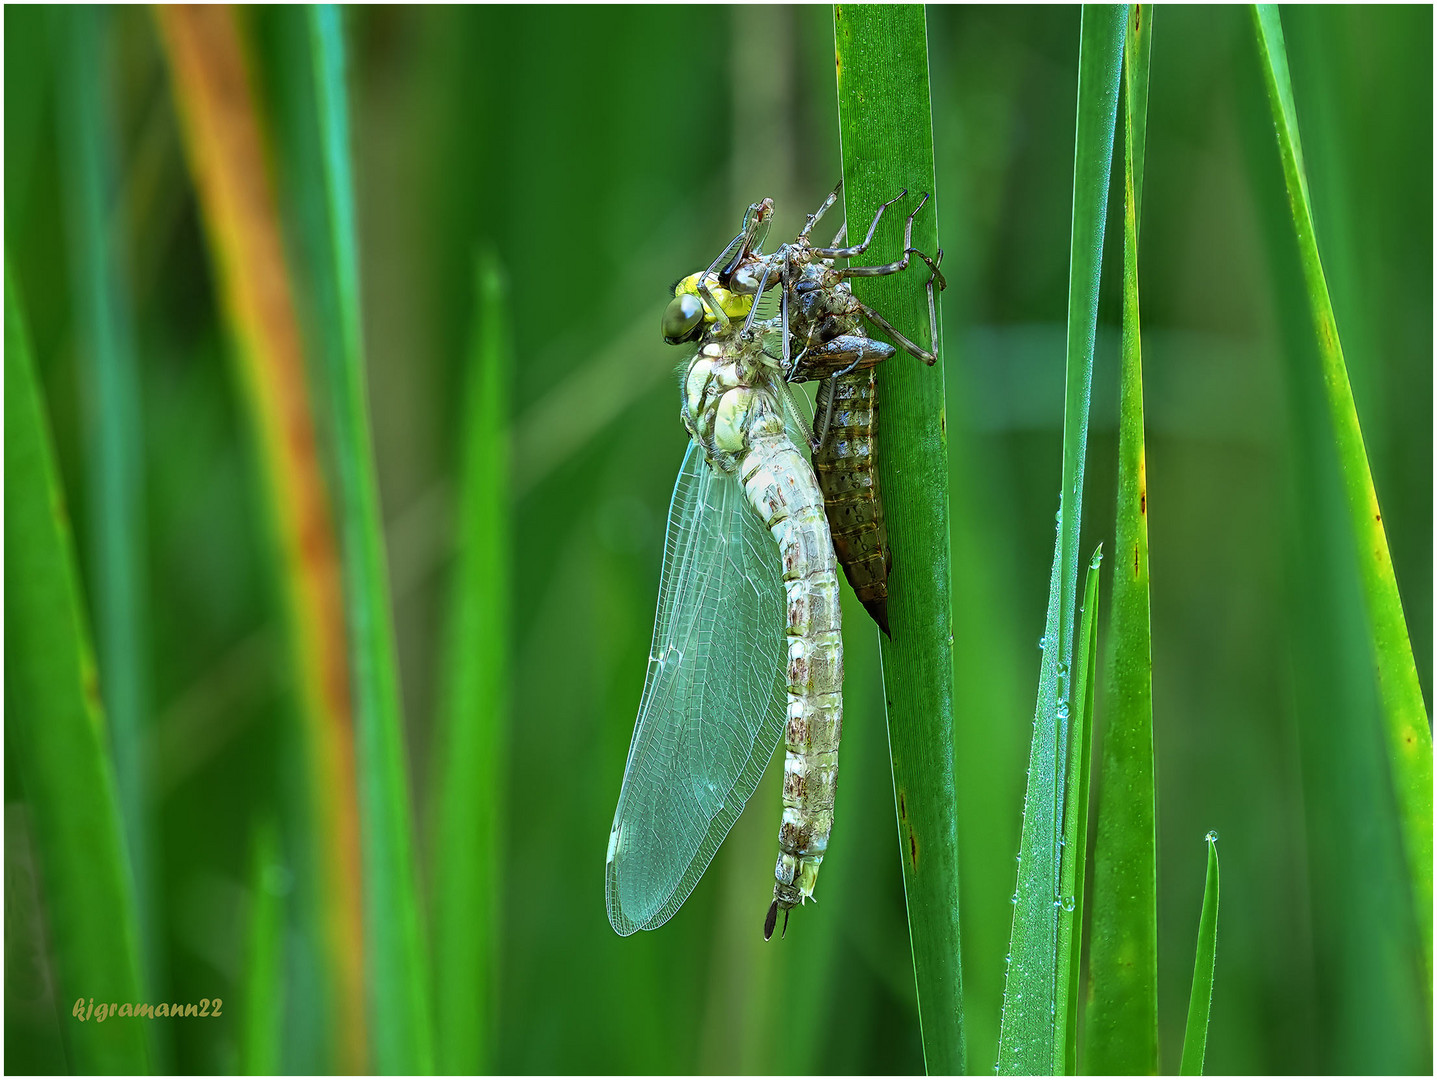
(729, 399)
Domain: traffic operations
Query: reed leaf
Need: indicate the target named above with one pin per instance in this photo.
(115, 450)
(225, 146)
(262, 1008)
(1075, 828)
(395, 954)
(55, 727)
(471, 739)
(886, 131)
(1122, 1013)
(1200, 1001)
(1027, 1040)
(1408, 734)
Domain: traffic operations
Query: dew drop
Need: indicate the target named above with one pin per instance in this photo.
(1069, 903)
(1211, 837)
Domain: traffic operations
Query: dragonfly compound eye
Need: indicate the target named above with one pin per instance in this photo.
(683, 319)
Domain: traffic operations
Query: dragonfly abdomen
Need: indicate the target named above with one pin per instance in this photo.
(783, 490)
(846, 465)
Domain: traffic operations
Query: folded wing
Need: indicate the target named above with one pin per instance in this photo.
(714, 702)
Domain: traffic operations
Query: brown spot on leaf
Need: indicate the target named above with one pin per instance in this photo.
(91, 682)
(913, 848)
(1142, 502)
(902, 807)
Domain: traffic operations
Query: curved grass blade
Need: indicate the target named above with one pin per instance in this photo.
(1200, 1001)
(55, 726)
(396, 973)
(115, 449)
(1122, 1012)
(471, 737)
(224, 143)
(1027, 1040)
(1075, 828)
(1409, 736)
(886, 130)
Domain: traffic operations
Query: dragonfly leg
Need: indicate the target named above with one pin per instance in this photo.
(859, 249)
(758, 295)
(909, 347)
(819, 438)
(813, 218)
(893, 267)
(783, 313)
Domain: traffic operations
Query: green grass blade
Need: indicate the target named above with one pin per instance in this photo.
(115, 449)
(471, 737)
(1122, 1014)
(396, 962)
(55, 726)
(1200, 1002)
(1075, 828)
(1027, 1041)
(886, 130)
(262, 1009)
(1409, 738)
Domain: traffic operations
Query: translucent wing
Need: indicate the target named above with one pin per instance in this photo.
(715, 699)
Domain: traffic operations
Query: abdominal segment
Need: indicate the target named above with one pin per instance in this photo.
(846, 466)
(782, 488)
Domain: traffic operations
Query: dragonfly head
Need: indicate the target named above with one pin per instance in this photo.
(690, 311)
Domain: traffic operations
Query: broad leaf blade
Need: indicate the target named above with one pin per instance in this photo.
(1409, 736)
(115, 444)
(886, 127)
(1122, 1013)
(56, 729)
(395, 953)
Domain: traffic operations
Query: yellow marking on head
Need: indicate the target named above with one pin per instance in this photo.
(734, 305)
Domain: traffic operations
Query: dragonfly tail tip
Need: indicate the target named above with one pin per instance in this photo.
(771, 920)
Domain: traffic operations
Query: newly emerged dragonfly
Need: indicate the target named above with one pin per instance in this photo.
(823, 337)
(747, 640)
(718, 693)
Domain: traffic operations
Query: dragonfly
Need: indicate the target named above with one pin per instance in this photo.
(749, 568)
(824, 320)
(747, 645)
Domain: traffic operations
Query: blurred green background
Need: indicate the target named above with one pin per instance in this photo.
(600, 153)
